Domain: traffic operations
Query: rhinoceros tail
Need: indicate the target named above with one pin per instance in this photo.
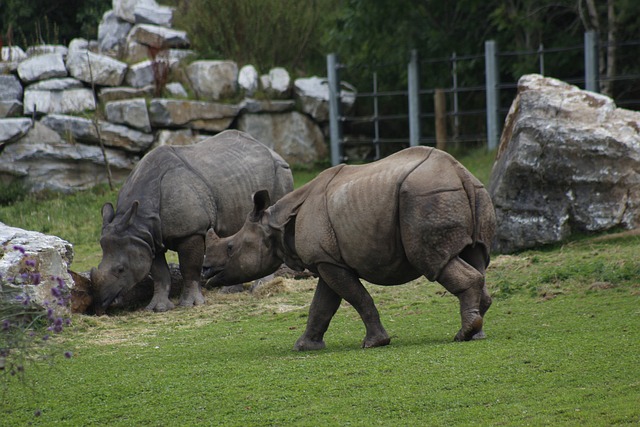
(469, 185)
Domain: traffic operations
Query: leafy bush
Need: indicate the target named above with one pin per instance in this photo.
(264, 33)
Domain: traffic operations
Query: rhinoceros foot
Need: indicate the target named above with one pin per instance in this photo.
(471, 326)
(377, 341)
(191, 295)
(304, 344)
(160, 305)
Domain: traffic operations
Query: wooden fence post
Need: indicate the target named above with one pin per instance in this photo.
(440, 107)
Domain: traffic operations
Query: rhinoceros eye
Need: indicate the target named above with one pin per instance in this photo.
(229, 248)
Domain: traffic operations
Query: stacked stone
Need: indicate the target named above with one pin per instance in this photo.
(51, 98)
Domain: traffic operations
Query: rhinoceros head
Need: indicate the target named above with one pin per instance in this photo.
(126, 257)
(249, 254)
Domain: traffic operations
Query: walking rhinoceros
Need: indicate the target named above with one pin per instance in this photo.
(417, 212)
(170, 200)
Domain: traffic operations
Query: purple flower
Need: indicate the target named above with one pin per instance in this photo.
(19, 248)
(68, 354)
(30, 262)
(56, 292)
(37, 413)
(35, 278)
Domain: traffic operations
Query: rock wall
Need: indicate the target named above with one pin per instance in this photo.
(133, 89)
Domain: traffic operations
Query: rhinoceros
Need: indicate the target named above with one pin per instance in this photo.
(169, 201)
(416, 212)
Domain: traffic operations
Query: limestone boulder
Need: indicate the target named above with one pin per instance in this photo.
(119, 93)
(43, 49)
(93, 68)
(66, 101)
(158, 37)
(125, 9)
(12, 54)
(568, 161)
(51, 255)
(10, 96)
(43, 160)
(148, 13)
(312, 94)
(213, 80)
(41, 67)
(248, 79)
(296, 137)
(207, 116)
(131, 112)
(112, 135)
(112, 32)
(13, 129)
(277, 83)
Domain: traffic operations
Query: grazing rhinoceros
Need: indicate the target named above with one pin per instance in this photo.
(417, 212)
(169, 201)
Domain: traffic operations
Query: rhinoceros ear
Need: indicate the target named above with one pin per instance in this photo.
(129, 216)
(261, 201)
(107, 214)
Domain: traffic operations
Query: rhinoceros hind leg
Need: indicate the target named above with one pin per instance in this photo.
(191, 254)
(161, 285)
(347, 285)
(467, 283)
(324, 305)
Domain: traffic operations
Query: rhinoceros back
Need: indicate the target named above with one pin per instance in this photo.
(209, 184)
(389, 219)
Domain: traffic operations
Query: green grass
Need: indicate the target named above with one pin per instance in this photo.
(563, 347)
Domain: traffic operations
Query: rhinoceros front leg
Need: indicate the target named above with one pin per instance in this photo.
(467, 283)
(191, 255)
(161, 285)
(347, 285)
(324, 305)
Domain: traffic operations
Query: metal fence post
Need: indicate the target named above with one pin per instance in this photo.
(591, 61)
(335, 127)
(414, 99)
(492, 93)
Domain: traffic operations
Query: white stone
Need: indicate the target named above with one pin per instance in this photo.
(42, 67)
(130, 112)
(58, 101)
(213, 80)
(12, 129)
(97, 69)
(248, 79)
(158, 37)
(153, 14)
(112, 32)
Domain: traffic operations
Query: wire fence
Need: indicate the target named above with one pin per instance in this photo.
(448, 101)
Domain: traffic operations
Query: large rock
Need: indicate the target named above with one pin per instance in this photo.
(277, 83)
(10, 58)
(313, 96)
(293, 135)
(213, 80)
(248, 79)
(568, 161)
(13, 129)
(41, 67)
(64, 101)
(132, 112)
(43, 49)
(10, 88)
(52, 257)
(96, 69)
(112, 32)
(42, 160)
(119, 93)
(10, 96)
(208, 116)
(145, 13)
(125, 9)
(84, 130)
(158, 37)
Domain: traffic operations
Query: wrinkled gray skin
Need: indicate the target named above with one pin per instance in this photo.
(170, 200)
(417, 212)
